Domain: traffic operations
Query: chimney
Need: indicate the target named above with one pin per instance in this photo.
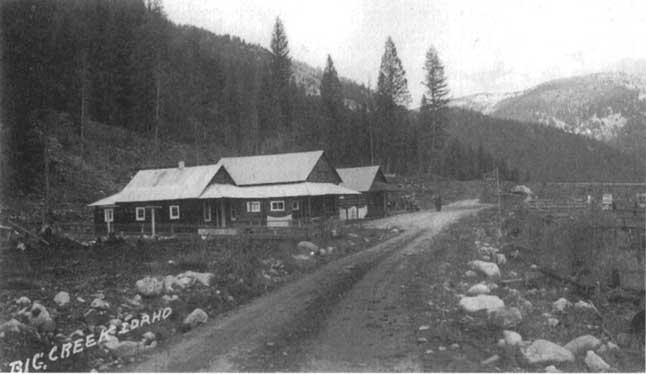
(180, 165)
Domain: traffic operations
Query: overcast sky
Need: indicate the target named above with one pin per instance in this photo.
(486, 45)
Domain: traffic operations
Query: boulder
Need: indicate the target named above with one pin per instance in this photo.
(169, 299)
(552, 322)
(472, 304)
(624, 339)
(99, 304)
(136, 301)
(512, 338)
(307, 246)
(470, 274)
(149, 286)
(561, 304)
(149, 336)
(595, 363)
(127, 348)
(552, 369)
(13, 325)
(196, 317)
(62, 299)
(169, 282)
(582, 344)
(505, 317)
(39, 318)
(582, 305)
(500, 259)
(489, 269)
(23, 301)
(478, 289)
(204, 279)
(545, 352)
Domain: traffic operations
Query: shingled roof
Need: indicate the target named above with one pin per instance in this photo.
(271, 169)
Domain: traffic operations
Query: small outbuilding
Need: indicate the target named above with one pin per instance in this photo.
(374, 188)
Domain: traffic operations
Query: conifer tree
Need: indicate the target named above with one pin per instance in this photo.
(281, 72)
(436, 104)
(392, 92)
(332, 98)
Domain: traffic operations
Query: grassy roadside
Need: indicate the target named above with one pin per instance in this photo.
(450, 340)
(243, 270)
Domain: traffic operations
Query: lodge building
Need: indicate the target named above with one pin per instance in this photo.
(279, 190)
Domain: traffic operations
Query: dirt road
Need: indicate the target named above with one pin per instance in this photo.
(347, 316)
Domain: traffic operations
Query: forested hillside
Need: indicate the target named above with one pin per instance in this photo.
(122, 63)
(545, 153)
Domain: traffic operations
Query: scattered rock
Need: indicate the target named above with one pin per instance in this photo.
(489, 269)
(513, 274)
(424, 327)
(169, 299)
(543, 352)
(136, 301)
(308, 246)
(127, 348)
(196, 317)
(148, 336)
(12, 325)
(169, 282)
(441, 348)
(582, 305)
(552, 369)
(552, 322)
(582, 344)
(512, 338)
(491, 360)
(99, 304)
(561, 304)
(500, 259)
(472, 304)
(422, 339)
(149, 286)
(39, 318)
(80, 299)
(62, 299)
(23, 301)
(501, 343)
(454, 346)
(595, 363)
(505, 317)
(533, 266)
(478, 289)
(470, 274)
(204, 279)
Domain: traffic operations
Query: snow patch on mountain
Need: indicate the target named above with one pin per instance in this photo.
(484, 102)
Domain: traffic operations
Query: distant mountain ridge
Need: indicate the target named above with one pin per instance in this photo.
(608, 106)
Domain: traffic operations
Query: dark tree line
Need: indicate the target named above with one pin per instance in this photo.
(123, 63)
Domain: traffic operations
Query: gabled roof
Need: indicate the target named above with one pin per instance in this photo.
(271, 169)
(361, 178)
(164, 184)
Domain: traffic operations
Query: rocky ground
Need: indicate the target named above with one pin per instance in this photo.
(482, 308)
(64, 301)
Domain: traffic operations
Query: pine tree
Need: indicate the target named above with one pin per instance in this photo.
(392, 92)
(392, 84)
(281, 72)
(332, 99)
(436, 105)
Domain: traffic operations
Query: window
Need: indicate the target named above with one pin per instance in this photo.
(140, 213)
(207, 212)
(108, 215)
(277, 206)
(296, 205)
(253, 206)
(174, 211)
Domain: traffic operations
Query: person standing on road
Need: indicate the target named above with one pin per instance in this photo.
(438, 202)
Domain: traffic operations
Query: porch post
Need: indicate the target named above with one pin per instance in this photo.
(152, 217)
